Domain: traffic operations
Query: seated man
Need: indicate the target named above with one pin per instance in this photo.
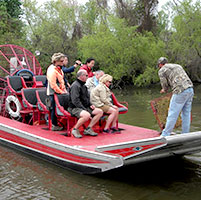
(94, 81)
(81, 107)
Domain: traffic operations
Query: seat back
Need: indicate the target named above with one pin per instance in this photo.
(122, 108)
(41, 97)
(27, 76)
(64, 100)
(41, 78)
(62, 104)
(29, 97)
(16, 83)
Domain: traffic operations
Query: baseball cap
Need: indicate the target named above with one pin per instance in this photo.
(162, 60)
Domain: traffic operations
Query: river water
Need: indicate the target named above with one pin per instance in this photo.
(25, 177)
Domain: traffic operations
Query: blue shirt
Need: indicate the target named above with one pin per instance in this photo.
(96, 82)
(67, 70)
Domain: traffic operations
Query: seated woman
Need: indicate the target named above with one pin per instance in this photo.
(100, 97)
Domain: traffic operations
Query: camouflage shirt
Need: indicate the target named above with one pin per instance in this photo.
(174, 76)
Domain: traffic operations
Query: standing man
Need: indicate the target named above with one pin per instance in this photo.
(89, 66)
(69, 69)
(55, 77)
(174, 76)
(81, 107)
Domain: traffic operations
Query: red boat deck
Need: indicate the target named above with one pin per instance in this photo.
(130, 133)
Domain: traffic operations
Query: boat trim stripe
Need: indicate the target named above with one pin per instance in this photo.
(48, 150)
(47, 142)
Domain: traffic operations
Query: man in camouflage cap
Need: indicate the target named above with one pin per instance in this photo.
(173, 76)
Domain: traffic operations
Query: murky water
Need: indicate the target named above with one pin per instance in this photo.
(25, 177)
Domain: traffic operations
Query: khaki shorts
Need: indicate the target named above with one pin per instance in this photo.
(105, 108)
(76, 111)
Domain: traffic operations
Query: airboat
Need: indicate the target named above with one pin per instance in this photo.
(25, 125)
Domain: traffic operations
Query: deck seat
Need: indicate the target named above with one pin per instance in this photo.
(15, 84)
(61, 101)
(27, 75)
(122, 108)
(41, 96)
(39, 80)
(29, 100)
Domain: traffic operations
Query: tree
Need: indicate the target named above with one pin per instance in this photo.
(13, 7)
(11, 26)
(122, 52)
(140, 13)
(185, 42)
(93, 13)
(52, 28)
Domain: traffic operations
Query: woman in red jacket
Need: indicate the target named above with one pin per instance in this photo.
(88, 66)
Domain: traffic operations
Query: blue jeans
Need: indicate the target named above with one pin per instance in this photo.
(181, 102)
(52, 110)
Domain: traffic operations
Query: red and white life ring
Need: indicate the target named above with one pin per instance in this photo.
(12, 99)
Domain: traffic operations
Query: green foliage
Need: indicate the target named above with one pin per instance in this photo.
(186, 37)
(147, 78)
(13, 7)
(126, 43)
(138, 13)
(89, 16)
(51, 29)
(185, 43)
(11, 26)
(122, 52)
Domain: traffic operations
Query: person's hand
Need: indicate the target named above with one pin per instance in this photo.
(92, 107)
(64, 91)
(68, 85)
(114, 106)
(162, 91)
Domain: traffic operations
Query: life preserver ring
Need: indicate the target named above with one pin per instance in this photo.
(12, 99)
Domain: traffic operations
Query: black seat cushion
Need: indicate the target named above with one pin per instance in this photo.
(42, 78)
(43, 96)
(64, 100)
(30, 96)
(16, 83)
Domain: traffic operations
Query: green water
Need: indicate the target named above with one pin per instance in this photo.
(24, 177)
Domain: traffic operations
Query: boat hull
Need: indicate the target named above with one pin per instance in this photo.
(91, 155)
(71, 157)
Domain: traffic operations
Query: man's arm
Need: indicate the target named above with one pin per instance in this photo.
(68, 70)
(164, 83)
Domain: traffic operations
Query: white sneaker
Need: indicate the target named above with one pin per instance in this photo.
(173, 133)
(76, 133)
(89, 131)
